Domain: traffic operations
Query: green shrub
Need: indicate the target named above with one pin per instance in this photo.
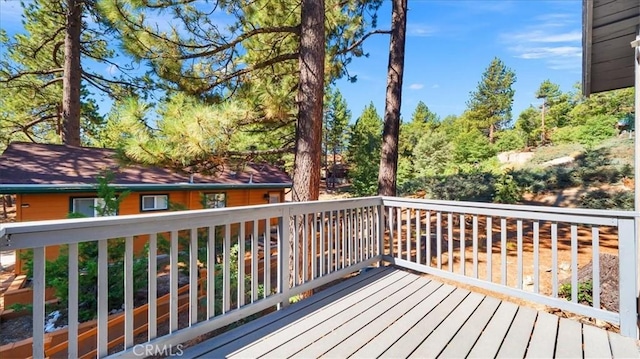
(585, 292)
(600, 199)
(507, 189)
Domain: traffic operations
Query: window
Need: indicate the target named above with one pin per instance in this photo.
(157, 202)
(89, 207)
(215, 200)
(274, 197)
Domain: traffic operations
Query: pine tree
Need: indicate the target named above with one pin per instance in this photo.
(490, 105)
(44, 92)
(336, 122)
(364, 152)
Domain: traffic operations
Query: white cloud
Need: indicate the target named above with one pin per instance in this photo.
(421, 30)
(548, 52)
(416, 86)
(552, 38)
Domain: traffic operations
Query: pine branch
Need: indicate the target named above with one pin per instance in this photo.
(27, 73)
(258, 66)
(359, 42)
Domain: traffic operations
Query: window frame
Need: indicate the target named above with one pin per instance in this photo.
(97, 201)
(155, 202)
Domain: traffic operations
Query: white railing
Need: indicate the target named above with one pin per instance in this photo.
(533, 253)
(330, 240)
(520, 251)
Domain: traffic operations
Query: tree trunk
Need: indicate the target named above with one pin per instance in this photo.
(389, 153)
(306, 168)
(72, 74)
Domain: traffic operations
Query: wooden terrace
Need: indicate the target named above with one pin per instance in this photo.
(376, 250)
(390, 313)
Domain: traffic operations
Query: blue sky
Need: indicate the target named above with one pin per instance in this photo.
(449, 44)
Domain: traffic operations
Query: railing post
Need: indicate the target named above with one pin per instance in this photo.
(283, 254)
(627, 277)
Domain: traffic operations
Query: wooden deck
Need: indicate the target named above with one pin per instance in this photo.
(391, 313)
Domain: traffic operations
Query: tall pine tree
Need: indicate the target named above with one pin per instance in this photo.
(489, 108)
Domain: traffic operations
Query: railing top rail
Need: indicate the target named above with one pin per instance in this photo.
(460, 206)
(23, 235)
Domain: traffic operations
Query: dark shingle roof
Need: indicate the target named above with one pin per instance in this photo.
(46, 164)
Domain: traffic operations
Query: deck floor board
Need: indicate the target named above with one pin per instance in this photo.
(388, 312)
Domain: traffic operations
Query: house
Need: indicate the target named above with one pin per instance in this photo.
(51, 181)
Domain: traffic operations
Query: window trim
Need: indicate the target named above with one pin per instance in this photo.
(155, 208)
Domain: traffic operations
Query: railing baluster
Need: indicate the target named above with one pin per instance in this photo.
(152, 277)
(503, 250)
(330, 230)
(211, 272)
(241, 265)
(344, 249)
(305, 248)
(574, 263)
(428, 239)
(391, 229)
(296, 246)
(536, 256)
(266, 262)
(314, 246)
(627, 257)
(103, 298)
(254, 260)
(418, 238)
(323, 241)
(399, 229)
(336, 240)
(519, 255)
(489, 224)
(128, 292)
(408, 221)
(39, 284)
(554, 259)
(72, 350)
(439, 239)
(475, 246)
(450, 240)
(349, 238)
(283, 255)
(193, 277)
(462, 240)
(226, 270)
(595, 245)
(173, 283)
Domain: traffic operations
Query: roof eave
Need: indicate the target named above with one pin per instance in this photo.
(76, 188)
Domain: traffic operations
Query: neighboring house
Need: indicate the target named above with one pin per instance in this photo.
(50, 181)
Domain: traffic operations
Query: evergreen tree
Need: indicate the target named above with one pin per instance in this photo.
(432, 154)
(336, 122)
(529, 123)
(549, 93)
(364, 152)
(490, 105)
(44, 89)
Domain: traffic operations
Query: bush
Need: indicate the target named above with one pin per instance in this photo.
(585, 292)
(600, 199)
(507, 189)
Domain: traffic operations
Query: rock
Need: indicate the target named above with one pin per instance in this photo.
(564, 266)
